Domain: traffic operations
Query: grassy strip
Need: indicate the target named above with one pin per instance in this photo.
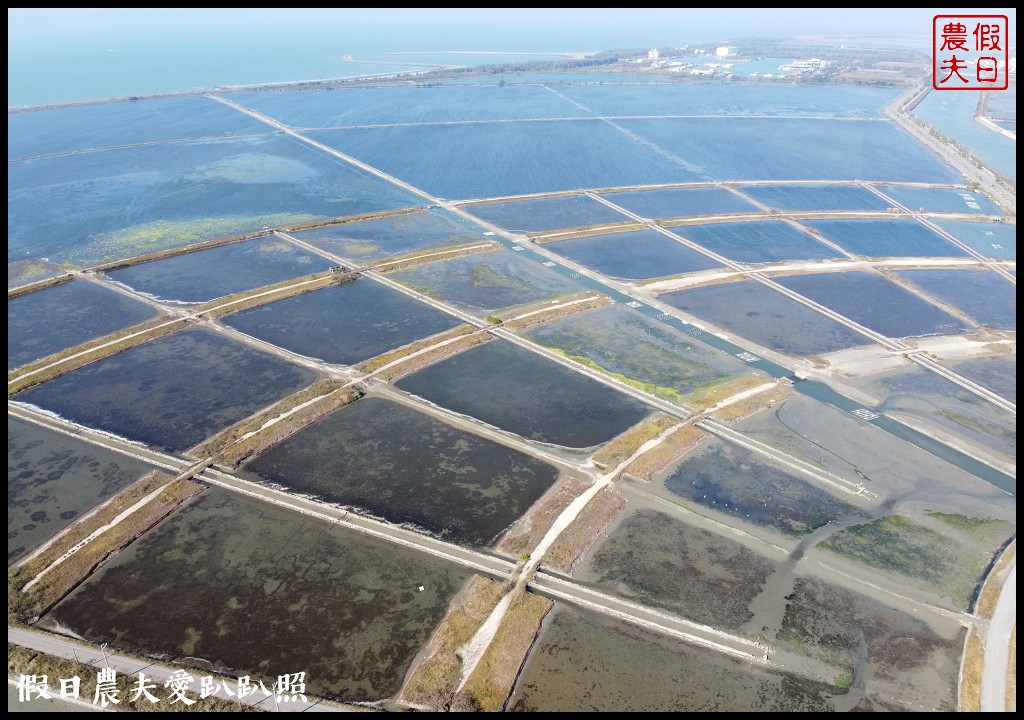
(180, 250)
(262, 296)
(381, 360)
(762, 215)
(336, 222)
(574, 542)
(19, 379)
(970, 673)
(513, 320)
(238, 452)
(413, 364)
(24, 606)
(989, 596)
(534, 196)
(491, 683)
(217, 443)
(669, 393)
(1011, 674)
(749, 406)
(526, 533)
(658, 458)
(24, 661)
(547, 236)
(628, 442)
(419, 257)
(719, 389)
(433, 681)
(38, 285)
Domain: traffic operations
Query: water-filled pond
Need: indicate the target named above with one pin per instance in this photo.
(407, 467)
(517, 390)
(343, 324)
(247, 588)
(43, 322)
(173, 392)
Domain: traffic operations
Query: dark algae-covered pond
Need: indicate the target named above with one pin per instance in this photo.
(404, 466)
(591, 663)
(733, 480)
(52, 479)
(223, 270)
(517, 390)
(171, 393)
(244, 587)
(56, 318)
(344, 323)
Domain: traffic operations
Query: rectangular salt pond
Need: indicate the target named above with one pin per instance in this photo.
(171, 393)
(390, 461)
(658, 560)
(947, 200)
(103, 125)
(517, 390)
(766, 317)
(220, 271)
(998, 374)
(638, 255)
(43, 322)
(345, 107)
(815, 197)
(982, 294)
(726, 478)
(243, 587)
(585, 661)
(904, 659)
(112, 204)
(991, 240)
(757, 242)
(773, 100)
(52, 479)
(641, 351)
(557, 213)
(681, 202)
(511, 158)
(738, 148)
(590, 662)
(393, 235)
(343, 324)
(485, 282)
(876, 303)
(886, 238)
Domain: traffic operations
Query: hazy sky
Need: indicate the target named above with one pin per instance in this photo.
(589, 25)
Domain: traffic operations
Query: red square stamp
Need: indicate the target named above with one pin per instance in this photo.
(970, 52)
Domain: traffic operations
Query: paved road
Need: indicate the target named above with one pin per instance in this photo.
(61, 646)
(986, 179)
(997, 647)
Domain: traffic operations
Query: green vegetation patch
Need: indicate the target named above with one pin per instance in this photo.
(639, 352)
(162, 234)
(490, 685)
(979, 425)
(906, 550)
(967, 523)
(434, 680)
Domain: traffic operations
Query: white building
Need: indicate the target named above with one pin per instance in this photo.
(653, 54)
(725, 51)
